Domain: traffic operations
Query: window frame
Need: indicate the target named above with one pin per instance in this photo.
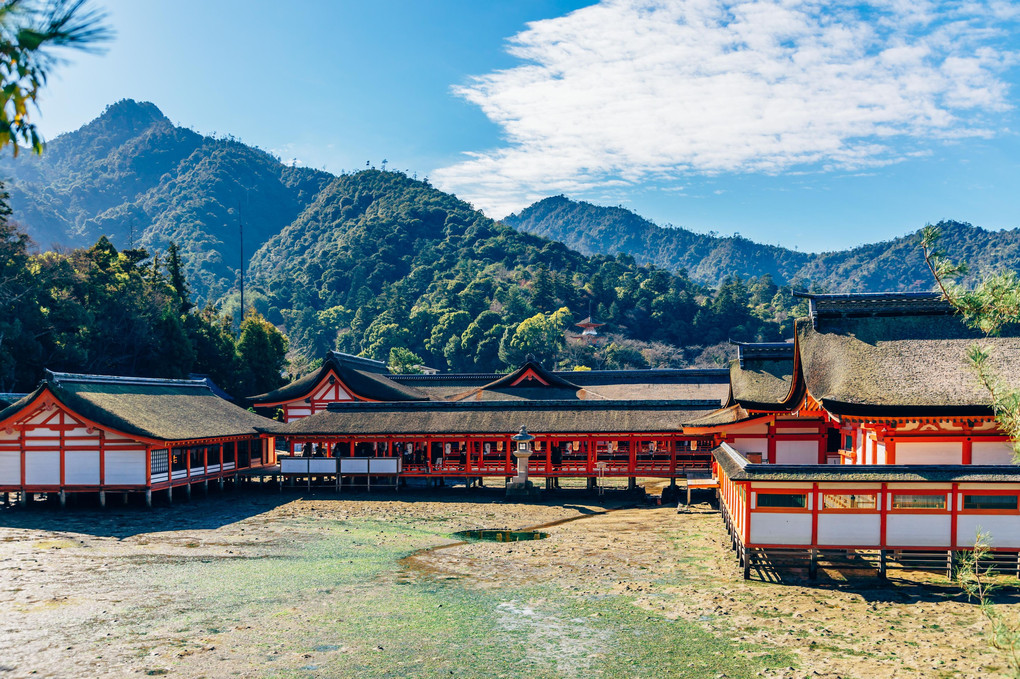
(851, 510)
(893, 494)
(806, 493)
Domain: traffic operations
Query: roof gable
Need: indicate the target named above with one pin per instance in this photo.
(358, 382)
(147, 408)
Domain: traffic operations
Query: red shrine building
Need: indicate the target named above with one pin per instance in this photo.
(102, 434)
(588, 424)
(867, 437)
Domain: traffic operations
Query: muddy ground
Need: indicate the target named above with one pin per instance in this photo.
(265, 584)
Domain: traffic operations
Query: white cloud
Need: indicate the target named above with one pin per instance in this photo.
(632, 91)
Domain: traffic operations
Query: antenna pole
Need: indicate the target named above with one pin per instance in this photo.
(240, 228)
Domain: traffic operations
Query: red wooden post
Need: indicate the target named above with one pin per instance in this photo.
(747, 513)
(883, 510)
(953, 514)
(968, 451)
(102, 458)
(815, 499)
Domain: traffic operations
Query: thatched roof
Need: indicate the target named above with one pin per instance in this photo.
(730, 415)
(168, 410)
(762, 376)
(361, 375)
(738, 468)
(614, 385)
(530, 382)
(498, 417)
(900, 365)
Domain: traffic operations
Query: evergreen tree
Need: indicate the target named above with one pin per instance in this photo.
(177, 282)
(263, 354)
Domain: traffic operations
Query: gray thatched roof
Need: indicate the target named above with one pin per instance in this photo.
(900, 365)
(360, 375)
(498, 417)
(530, 382)
(614, 385)
(730, 415)
(738, 468)
(168, 410)
(762, 377)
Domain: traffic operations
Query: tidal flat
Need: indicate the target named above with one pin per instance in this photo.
(263, 584)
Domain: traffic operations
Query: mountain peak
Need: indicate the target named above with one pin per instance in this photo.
(128, 111)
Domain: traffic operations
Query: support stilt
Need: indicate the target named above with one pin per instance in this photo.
(7, 503)
(170, 495)
(205, 487)
(221, 484)
(125, 496)
(24, 499)
(631, 483)
(745, 562)
(813, 564)
(148, 498)
(592, 483)
(187, 491)
(63, 498)
(102, 498)
(882, 568)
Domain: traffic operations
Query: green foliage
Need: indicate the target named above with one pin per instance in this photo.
(708, 259)
(263, 351)
(382, 261)
(404, 362)
(990, 306)
(29, 30)
(135, 177)
(98, 310)
(540, 337)
(977, 582)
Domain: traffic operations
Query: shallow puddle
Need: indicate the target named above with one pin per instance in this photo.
(501, 535)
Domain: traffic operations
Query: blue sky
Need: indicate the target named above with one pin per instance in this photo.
(813, 124)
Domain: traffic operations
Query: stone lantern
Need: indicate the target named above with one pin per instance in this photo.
(519, 485)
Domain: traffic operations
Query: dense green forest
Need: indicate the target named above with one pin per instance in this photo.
(97, 310)
(709, 259)
(372, 262)
(133, 176)
(382, 261)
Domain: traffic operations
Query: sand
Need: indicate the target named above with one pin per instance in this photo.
(128, 591)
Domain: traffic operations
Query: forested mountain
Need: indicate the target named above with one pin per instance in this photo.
(131, 168)
(892, 265)
(380, 261)
(374, 261)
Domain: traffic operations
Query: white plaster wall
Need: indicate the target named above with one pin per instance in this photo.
(752, 446)
(914, 452)
(991, 452)
(849, 529)
(1004, 530)
(81, 468)
(125, 467)
(10, 467)
(879, 453)
(796, 452)
(354, 465)
(42, 468)
(779, 528)
(918, 530)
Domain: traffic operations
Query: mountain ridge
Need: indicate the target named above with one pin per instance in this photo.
(895, 264)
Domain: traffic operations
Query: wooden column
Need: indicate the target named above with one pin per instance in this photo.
(968, 451)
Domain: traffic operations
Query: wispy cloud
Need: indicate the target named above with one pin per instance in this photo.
(632, 91)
